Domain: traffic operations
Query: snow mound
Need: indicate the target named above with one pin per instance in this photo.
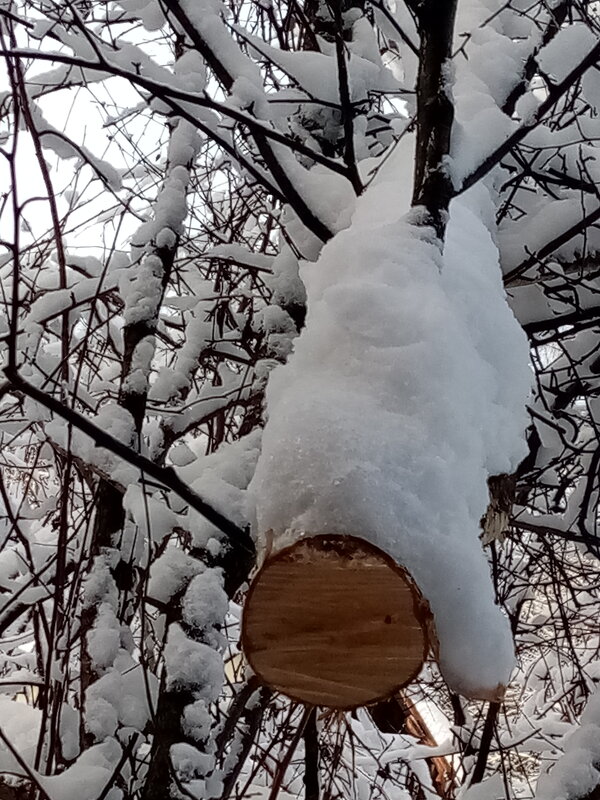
(406, 390)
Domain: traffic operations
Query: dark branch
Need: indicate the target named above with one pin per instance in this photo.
(435, 111)
(239, 538)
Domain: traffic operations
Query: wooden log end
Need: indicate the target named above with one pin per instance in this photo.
(334, 621)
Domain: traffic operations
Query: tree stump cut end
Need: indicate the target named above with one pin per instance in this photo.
(333, 621)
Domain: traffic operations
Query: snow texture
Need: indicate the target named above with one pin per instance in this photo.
(113, 420)
(189, 763)
(566, 51)
(192, 665)
(205, 603)
(171, 572)
(197, 721)
(104, 640)
(142, 285)
(222, 478)
(577, 771)
(86, 777)
(491, 789)
(120, 698)
(485, 73)
(406, 390)
(153, 518)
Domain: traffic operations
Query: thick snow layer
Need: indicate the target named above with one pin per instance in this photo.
(87, 777)
(573, 776)
(104, 640)
(316, 73)
(192, 665)
(576, 773)
(170, 572)
(222, 478)
(189, 762)
(405, 391)
(20, 725)
(566, 50)
(491, 789)
(197, 721)
(122, 696)
(488, 67)
(205, 603)
(543, 223)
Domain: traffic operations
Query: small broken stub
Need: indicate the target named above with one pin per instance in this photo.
(333, 621)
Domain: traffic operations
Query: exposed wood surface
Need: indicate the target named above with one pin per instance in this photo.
(333, 621)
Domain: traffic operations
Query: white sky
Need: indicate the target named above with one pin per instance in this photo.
(81, 112)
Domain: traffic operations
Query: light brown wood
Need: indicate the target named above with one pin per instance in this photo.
(333, 621)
